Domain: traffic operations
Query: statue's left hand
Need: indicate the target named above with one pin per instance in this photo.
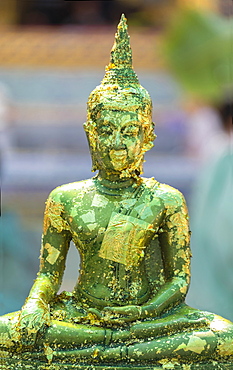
(121, 314)
(33, 317)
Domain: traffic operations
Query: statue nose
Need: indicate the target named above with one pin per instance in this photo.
(118, 142)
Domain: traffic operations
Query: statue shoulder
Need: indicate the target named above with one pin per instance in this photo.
(174, 201)
(67, 191)
(169, 195)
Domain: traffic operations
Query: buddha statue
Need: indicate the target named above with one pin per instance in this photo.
(127, 310)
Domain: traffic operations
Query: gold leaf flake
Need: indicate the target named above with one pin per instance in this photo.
(226, 349)
(95, 353)
(92, 227)
(183, 289)
(186, 367)
(168, 363)
(53, 253)
(99, 201)
(88, 217)
(181, 346)
(53, 216)
(196, 344)
(124, 240)
(48, 352)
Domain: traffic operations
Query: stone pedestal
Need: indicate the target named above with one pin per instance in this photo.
(12, 364)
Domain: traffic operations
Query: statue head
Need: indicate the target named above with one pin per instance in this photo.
(119, 123)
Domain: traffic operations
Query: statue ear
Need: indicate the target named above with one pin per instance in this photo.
(149, 136)
(90, 129)
(95, 166)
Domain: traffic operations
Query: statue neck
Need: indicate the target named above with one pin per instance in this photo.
(113, 182)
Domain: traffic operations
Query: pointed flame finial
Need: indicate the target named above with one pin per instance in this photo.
(121, 53)
(120, 87)
(120, 70)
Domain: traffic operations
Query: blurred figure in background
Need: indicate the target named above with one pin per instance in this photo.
(212, 224)
(197, 47)
(205, 136)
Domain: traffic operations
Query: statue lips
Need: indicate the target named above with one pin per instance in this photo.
(118, 157)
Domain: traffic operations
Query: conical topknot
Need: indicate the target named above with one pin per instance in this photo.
(120, 70)
(120, 88)
(121, 53)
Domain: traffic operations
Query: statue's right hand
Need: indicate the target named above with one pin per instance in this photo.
(34, 316)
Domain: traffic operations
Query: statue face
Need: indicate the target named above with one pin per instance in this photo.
(119, 140)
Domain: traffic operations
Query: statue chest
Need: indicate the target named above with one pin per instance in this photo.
(117, 230)
(88, 219)
(112, 237)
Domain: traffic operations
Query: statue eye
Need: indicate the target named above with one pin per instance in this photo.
(131, 131)
(105, 130)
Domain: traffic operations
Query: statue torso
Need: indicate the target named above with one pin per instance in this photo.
(113, 259)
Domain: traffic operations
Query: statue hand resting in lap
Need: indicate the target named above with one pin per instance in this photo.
(132, 234)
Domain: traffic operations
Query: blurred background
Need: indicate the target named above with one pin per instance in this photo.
(53, 54)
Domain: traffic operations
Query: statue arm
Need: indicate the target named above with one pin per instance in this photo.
(52, 265)
(174, 238)
(55, 244)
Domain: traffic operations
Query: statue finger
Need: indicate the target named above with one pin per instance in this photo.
(114, 309)
(113, 320)
(95, 312)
